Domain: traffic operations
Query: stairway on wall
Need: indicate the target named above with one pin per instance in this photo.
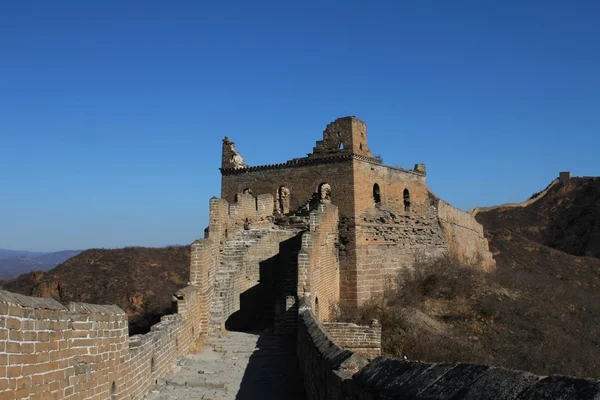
(230, 263)
(233, 253)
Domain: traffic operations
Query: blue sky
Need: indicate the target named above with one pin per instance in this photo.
(112, 113)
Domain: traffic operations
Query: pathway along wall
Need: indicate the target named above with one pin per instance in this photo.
(49, 351)
(332, 372)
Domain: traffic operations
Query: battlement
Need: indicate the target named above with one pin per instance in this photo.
(564, 177)
(84, 351)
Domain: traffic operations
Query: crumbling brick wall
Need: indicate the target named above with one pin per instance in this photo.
(392, 230)
(464, 236)
(318, 263)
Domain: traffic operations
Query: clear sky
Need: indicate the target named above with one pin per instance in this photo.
(112, 113)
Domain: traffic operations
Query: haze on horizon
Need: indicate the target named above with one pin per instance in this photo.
(112, 114)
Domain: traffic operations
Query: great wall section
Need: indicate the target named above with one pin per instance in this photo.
(285, 245)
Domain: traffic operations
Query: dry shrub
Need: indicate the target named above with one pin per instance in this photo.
(197, 345)
(447, 311)
(442, 278)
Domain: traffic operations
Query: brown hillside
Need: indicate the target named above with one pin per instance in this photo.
(140, 280)
(567, 218)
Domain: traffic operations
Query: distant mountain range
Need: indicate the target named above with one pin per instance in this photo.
(14, 262)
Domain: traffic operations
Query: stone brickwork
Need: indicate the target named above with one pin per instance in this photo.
(464, 236)
(51, 351)
(363, 340)
(318, 263)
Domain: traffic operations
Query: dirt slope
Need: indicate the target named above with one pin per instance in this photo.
(567, 218)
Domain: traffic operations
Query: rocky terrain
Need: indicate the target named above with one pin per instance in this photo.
(140, 280)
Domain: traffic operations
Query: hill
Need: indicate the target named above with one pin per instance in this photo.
(567, 218)
(140, 280)
(14, 263)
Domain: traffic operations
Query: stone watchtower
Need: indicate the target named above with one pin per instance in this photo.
(387, 214)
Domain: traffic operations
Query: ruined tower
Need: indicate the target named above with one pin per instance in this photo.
(387, 215)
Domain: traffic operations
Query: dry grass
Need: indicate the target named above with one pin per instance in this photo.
(197, 345)
(445, 311)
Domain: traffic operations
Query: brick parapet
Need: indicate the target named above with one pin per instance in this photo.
(82, 351)
(363, 340)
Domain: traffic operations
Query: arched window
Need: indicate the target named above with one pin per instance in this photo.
(376, 194)
(152, 365)
(113, 391)
(325, 193)
(406, 200)
(284, 200)
(341, 146)
(317, 307)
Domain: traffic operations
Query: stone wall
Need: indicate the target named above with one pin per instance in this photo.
(393, 230)
(363, 340)
(332, 372)
(326, 368)
(464, 236)
(318, 263)
(302, 181)
(83, 351)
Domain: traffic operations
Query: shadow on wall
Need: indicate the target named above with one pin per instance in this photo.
(272, 371)
(277, 279)
(244, 319)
